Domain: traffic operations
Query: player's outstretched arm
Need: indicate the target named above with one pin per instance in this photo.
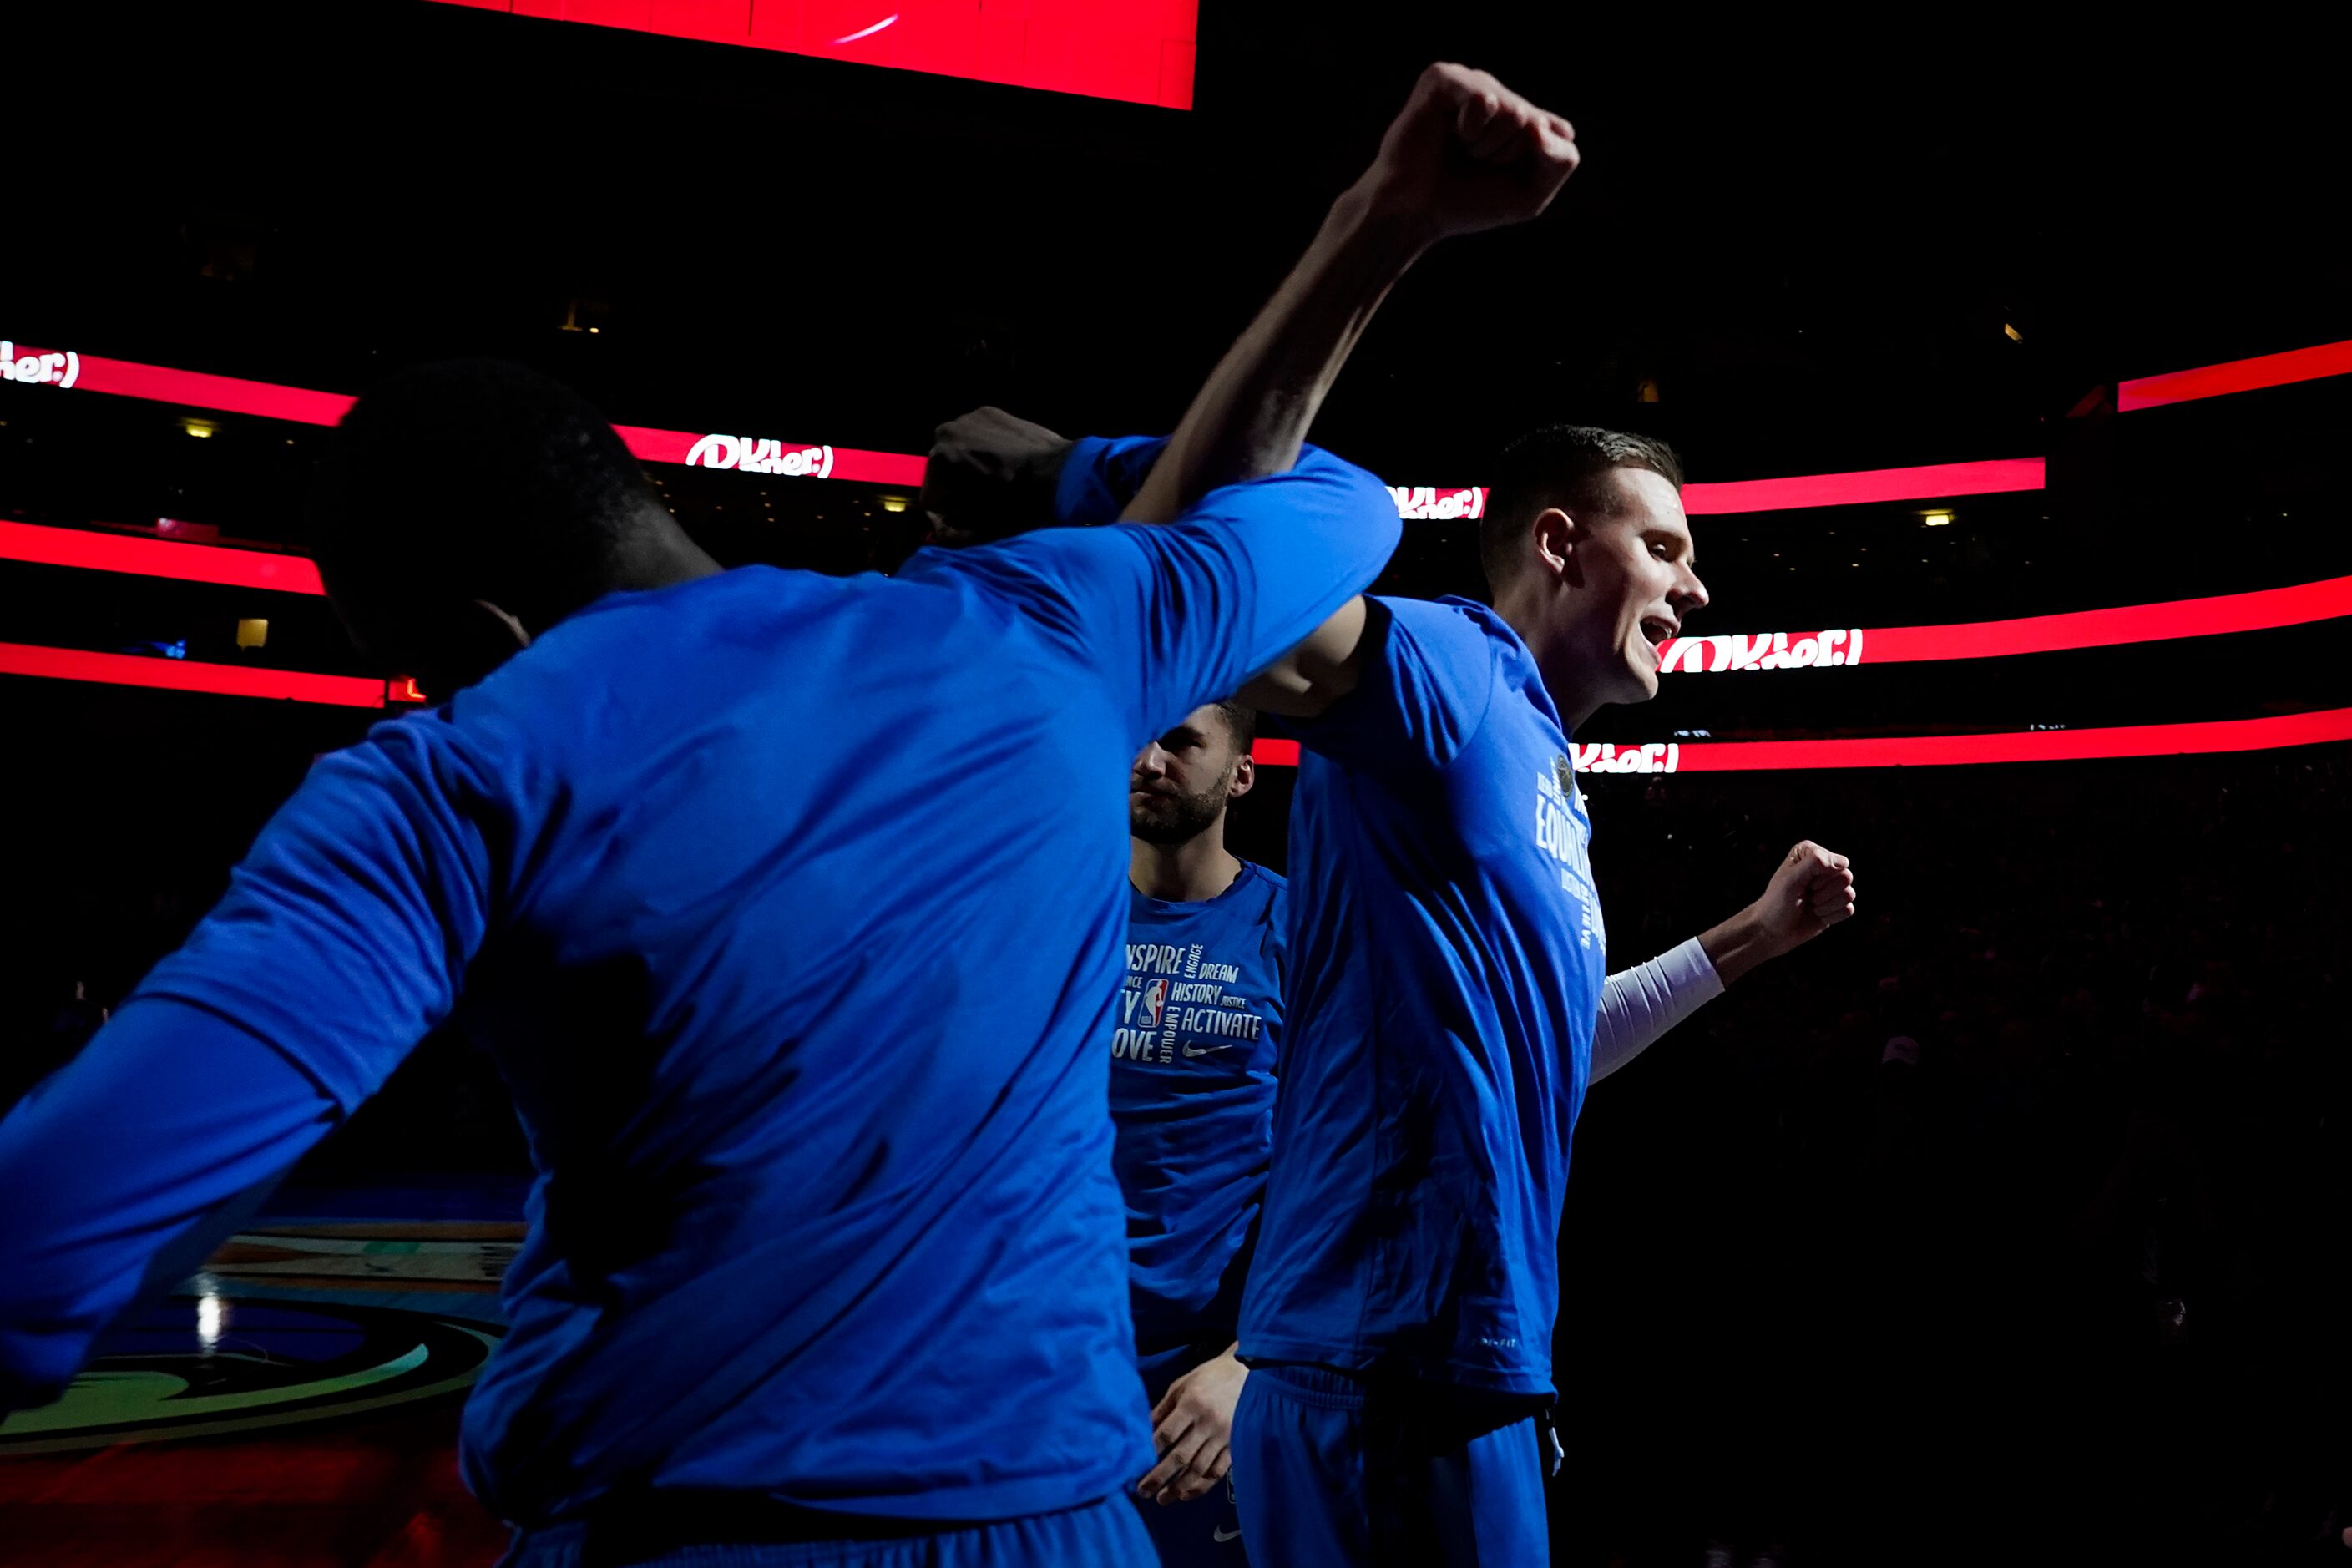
(126, 1169)
(1465, 153)
(338, 947)
(1274, 541)
(1811, 890)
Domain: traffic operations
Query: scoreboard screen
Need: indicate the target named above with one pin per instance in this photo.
(1140, 51)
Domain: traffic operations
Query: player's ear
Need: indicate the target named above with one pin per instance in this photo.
(1553, 541)
(459, 643)
(1245, 778)
(499, 629)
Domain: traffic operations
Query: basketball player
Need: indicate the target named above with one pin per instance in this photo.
(827, 1259)
(1448, 958)
(1191, 1095)
(1187, 1275)
(1465, 154)
(1192, 1091)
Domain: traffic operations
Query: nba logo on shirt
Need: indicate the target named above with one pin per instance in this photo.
(1155, 998)
(1559, 836)
(1556, 833)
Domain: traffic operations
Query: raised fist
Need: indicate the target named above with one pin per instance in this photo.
(1812, 889)
(990, 475)
(1468, 153)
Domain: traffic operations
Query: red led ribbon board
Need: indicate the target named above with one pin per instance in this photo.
(178, 675)
(158, 558)
(760, 454)
(2024, 746)
(1139, 51)
(2236, 375)
(301, 405)
(1939, 750)
(194, 389)
(2216, 617)
(1935, 481)
(229, 394)
(1918, 751)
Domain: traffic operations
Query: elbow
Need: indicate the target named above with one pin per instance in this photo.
(1362, 511)
(1285, 691)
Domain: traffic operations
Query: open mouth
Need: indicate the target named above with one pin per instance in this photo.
(1659, 630)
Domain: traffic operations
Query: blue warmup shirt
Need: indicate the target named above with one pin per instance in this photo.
(1191, 1094)
(791, 908)
(1448, 958)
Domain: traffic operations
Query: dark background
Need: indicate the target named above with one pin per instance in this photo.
(1816, 1303)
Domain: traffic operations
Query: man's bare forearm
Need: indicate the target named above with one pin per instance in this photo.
(1740, 944)
(1253, 415)
(1465, 153)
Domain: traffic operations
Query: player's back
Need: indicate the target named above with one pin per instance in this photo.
(791, 908)
(806, 914)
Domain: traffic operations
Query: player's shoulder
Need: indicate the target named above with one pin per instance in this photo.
(1278, 886)
(1269, 894)
(1463, 628)
(715, 607)
(1451, 649)
(663, 651)
(621, 672)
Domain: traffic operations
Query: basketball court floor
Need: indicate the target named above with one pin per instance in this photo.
(296, 1403)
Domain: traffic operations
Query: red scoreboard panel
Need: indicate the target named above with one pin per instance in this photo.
(1137, 50)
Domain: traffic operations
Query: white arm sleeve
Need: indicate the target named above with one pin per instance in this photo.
(1646, 1001)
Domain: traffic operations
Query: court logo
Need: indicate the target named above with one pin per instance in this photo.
(62, 369)
(202, 1366)
(760, 456)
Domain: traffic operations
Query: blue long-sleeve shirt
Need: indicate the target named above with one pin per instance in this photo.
(791, 908)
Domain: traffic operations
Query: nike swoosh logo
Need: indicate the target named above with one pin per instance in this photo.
(1221, 1534)
(1206, 1050)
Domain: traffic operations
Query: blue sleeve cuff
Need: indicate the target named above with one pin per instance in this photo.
(1101, 475)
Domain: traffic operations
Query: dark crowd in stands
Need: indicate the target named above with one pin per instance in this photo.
(2007, 1223)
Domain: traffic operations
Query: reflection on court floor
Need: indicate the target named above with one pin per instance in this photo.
(296, 1402)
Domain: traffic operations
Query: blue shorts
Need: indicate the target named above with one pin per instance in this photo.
(1337, 1472)
(1203, 1533)
(1207, 1531)
(1099, 1535)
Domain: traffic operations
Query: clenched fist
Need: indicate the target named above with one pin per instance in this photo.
(1468, 153)
(990, 475)
(1812, 889)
